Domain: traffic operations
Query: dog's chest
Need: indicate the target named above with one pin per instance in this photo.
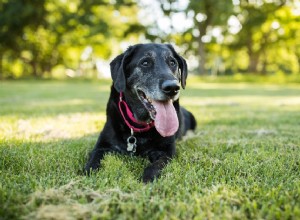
(134, 145)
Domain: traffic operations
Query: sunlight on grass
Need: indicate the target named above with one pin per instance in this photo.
(44, 111)
(62, 126)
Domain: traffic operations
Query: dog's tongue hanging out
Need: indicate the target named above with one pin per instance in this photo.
(166, 120)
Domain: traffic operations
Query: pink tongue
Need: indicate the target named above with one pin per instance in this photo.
(166, 120)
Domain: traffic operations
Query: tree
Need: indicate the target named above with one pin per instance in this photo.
(50, 33)
(206, 15)
(255, 36)
(15, 16)
(242, 35)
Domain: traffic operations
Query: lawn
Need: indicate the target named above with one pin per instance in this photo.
(242, 162)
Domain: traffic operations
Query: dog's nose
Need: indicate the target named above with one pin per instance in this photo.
(170, 87)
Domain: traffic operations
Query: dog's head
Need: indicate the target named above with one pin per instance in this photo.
(150, 75)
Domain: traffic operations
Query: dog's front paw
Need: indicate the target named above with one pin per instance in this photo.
(153, 171)
(89, 168)
(150, 174)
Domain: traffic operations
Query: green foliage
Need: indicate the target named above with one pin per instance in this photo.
(224, 30)
(264, 35)
(15, 16)
(243, 161)
(48, 38)
(48, 32)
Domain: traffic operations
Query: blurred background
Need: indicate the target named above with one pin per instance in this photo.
(77, 39)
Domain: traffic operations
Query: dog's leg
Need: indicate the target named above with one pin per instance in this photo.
(188, 120)
(158, 161)
(95, 157)
(102, 147)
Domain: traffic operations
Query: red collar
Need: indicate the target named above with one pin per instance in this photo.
(132, 123)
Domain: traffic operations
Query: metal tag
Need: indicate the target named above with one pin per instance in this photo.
(131, 144)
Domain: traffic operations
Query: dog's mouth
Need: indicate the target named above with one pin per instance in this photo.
(162, 112)
(147, 102)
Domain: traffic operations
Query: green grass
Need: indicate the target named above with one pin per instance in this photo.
(243, 161)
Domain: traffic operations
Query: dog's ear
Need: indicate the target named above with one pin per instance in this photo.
(182, 66)
(117, 69)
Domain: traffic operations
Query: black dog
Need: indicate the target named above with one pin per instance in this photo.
(143, 113)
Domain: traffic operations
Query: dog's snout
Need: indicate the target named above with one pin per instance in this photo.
(170, 87)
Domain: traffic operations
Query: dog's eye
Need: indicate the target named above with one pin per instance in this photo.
(172, 63)
(145, 63)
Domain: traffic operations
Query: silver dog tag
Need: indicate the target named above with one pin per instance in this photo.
(131, 144)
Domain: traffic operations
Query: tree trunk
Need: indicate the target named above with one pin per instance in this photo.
(202, 28)
(1, 66)
(253, 56)
(253, 63)
(34, 69)
(201, 56)
(298, 59)
(263, 70)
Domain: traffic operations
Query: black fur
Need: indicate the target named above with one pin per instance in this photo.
(145, 67)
